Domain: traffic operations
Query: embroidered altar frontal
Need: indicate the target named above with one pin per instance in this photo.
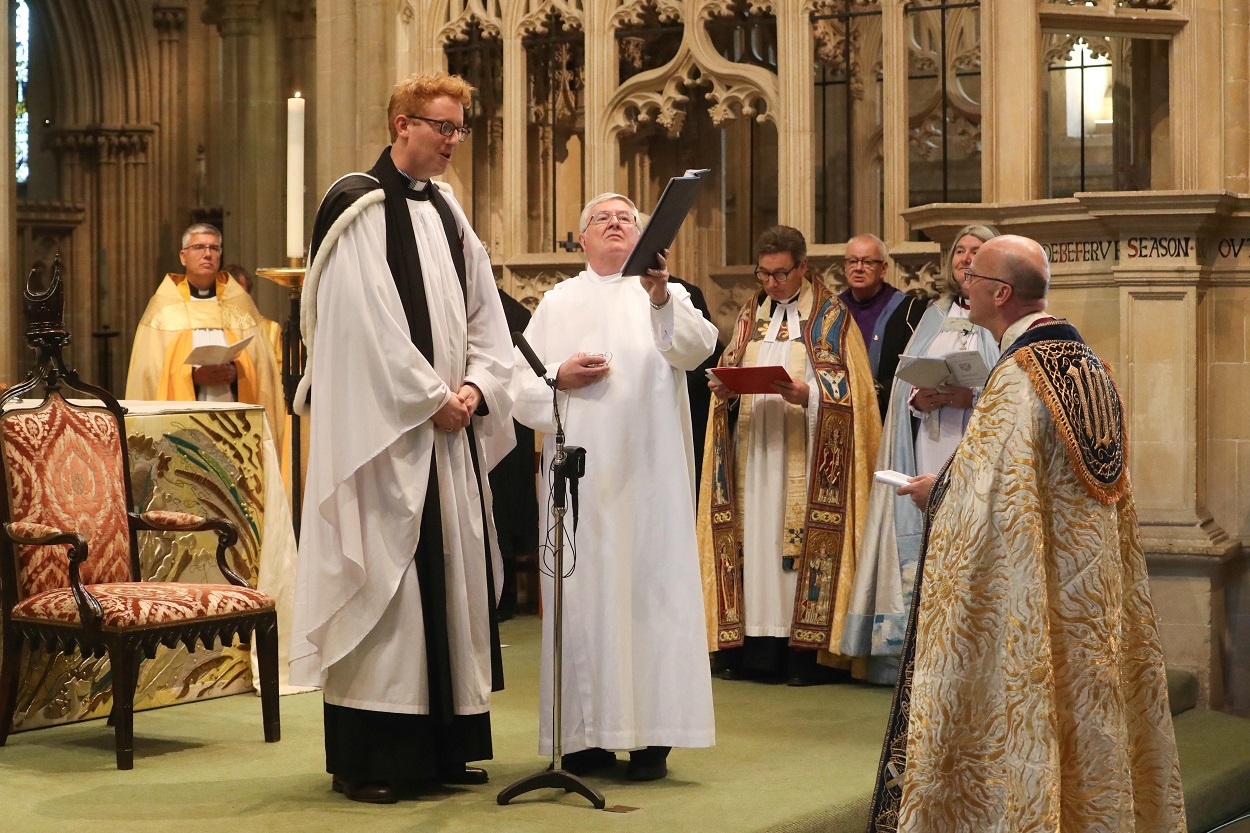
(203, 462)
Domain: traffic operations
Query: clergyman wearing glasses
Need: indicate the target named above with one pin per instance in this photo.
(204, 306)
(786, 476)
(886, 317)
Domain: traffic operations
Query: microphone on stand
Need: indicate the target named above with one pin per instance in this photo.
(568, 464)
(530, 356)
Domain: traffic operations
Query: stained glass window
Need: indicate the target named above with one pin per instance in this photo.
(21, 35)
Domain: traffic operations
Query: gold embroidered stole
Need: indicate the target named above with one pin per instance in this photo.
(816, 507)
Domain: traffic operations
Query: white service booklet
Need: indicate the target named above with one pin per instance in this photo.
(211, 354)
(963, 369)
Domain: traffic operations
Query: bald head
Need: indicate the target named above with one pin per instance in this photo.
(1009, 279)
(1024, 262)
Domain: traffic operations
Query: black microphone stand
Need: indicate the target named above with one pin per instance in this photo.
(568, 464)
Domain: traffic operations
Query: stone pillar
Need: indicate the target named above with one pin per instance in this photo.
(251, 125)
(110, 170)
(514, 141)
(83, 311)
(1197, 152)
(796, 157)
(239, 25)
(894, 121)
(1011, 122)
(599, 76)
(172, 107)
(352, 91)
(1236, 86)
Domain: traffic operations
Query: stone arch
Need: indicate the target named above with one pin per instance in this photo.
(661, 94)
(105, 138)
(101, 61)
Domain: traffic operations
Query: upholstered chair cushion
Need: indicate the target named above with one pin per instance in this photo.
(64, 470)
(135, 605)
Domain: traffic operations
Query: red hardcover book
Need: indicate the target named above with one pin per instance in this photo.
(750, 379)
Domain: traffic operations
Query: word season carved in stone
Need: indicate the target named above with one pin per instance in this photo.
(1139, 247)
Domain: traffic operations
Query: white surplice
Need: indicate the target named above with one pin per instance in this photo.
(359, 629)
(769, 590)
(635, 664)
(943, 428)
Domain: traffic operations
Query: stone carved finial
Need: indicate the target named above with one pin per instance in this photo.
(634, 12)
(462, 14)
(708, 9)
(542, 14)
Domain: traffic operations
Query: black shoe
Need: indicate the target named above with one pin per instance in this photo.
(588, 760)
(650, 764)
(464, 775)
(801, 681)
(366, 792)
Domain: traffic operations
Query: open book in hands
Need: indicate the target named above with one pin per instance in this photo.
(749, 379)
(961, 369)
(213, 354)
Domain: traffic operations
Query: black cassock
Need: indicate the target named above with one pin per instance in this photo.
(513, 484)
(696, 383)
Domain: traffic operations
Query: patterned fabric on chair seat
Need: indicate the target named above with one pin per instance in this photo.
(139, 604)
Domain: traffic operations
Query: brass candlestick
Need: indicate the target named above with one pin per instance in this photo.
(291, 276)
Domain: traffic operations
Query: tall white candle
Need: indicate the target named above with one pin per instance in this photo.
(295, 176)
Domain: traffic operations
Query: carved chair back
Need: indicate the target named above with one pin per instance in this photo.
(65, 467)
(62, 464)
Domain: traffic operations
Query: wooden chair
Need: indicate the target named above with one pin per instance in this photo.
(69, 561)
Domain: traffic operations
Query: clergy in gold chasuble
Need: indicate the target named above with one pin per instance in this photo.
(167, 333)
(1032, 694)
(785, 486)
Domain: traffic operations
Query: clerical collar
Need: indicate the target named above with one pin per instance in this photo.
(418, 189)
(593, 274)
(787, 313)
(207, 292)
(962, 302)
(772, 307)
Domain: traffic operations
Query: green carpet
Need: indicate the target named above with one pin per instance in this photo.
(787, 760)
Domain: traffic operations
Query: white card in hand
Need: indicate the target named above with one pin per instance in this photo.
(893, 478)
